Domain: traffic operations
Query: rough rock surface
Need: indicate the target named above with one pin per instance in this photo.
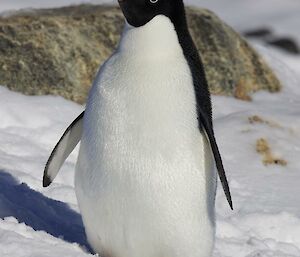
(58, 51)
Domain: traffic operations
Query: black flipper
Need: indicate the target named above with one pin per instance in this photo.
(62, 150)
(219, 164)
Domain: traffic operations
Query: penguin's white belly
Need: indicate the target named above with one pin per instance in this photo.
(144, 178)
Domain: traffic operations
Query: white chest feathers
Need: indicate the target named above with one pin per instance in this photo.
(144, 93)
(144, 179)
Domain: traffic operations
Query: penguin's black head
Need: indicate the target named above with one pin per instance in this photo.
(140, 12)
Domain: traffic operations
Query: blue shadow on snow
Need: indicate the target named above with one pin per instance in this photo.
(39, 212)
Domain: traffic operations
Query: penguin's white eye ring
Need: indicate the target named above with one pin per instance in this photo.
(153, 1)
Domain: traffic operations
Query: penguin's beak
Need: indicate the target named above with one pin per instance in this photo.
(121, 2)
(124, 6)
(133, 12)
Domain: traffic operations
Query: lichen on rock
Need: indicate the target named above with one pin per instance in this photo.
(58, 51)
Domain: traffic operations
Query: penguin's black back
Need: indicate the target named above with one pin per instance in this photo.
(193, 59)
(203, 100)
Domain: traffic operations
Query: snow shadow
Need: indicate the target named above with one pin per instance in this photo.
(39, 212)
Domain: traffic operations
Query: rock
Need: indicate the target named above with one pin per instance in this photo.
(285, 43)
(258, 33)
(58, 51)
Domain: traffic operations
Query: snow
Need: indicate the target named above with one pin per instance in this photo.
(266, 220)
(38, 222)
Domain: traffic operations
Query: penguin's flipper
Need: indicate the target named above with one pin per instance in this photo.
(62, 150)
(219, 164)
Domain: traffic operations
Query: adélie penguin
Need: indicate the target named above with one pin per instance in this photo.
(145, 179)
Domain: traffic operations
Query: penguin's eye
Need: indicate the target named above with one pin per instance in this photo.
(153, 1)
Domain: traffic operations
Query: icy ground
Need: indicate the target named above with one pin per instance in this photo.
(37, 222)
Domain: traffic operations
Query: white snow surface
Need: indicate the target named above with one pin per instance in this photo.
(38, 222)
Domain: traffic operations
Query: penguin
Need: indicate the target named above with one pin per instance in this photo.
(145, 178)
